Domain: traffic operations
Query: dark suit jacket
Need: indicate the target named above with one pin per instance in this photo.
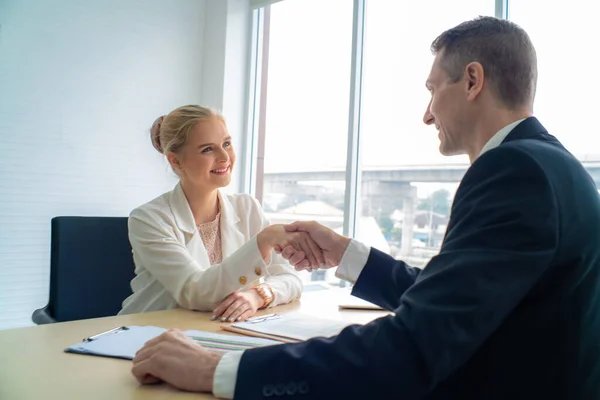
(509, 309)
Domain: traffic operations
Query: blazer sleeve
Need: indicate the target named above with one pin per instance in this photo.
(282, 277)
(169, 261)
(502, 236)
(384, 280)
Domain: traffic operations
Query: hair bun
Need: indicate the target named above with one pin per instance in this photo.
(155, 133)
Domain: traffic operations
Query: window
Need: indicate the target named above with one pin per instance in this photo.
(306, 115)
(316, 72)
(407, 185)
(566, 97)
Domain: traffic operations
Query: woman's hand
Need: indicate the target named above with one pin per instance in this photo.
(332, 245)
(276, 236)
(238, 306)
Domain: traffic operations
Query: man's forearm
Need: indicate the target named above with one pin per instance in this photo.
(384, 280)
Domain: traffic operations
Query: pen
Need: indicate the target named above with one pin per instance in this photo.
(121, 328)
(261, 317)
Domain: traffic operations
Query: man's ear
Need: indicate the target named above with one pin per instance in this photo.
(474, 76)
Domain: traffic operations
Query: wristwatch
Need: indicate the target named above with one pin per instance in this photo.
(266, 293)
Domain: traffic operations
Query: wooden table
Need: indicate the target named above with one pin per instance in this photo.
(34, 366)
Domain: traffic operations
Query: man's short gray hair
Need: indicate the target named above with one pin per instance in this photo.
(503, 49)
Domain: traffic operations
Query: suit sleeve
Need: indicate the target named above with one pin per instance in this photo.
(384, 280)
(502, 236)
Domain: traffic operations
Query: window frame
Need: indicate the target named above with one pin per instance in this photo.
(253, 182)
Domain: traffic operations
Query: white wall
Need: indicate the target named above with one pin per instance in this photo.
(80, 84)
(226, 71)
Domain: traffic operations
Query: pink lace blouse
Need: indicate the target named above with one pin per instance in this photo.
(210, 233)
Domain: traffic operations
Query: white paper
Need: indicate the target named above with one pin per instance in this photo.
(295, 326)
(354, 302)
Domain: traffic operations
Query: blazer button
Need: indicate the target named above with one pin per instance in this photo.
(258, 271)
(303, 387)
(292, 388)
(243, 280)
(268, 390)
(280, 389)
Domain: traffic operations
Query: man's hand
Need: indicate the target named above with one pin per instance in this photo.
(238, 306)
(332, 245)
(277, 236)
(176, 359)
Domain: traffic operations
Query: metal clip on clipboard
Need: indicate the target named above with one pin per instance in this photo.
(114, 330)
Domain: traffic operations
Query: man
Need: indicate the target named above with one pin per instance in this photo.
(509, 309)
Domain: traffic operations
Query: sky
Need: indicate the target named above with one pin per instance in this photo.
(309, 75)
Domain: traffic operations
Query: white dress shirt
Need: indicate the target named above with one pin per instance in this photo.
(351, 265)
(172, 265)
(499, 137)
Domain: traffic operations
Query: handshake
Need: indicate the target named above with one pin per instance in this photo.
(306, 245)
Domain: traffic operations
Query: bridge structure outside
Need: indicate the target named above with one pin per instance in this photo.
(384, 189)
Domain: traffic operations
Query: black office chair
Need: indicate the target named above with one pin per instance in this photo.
(91, 267)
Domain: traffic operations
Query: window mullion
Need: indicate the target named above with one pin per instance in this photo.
(352, 191)
(502, 9)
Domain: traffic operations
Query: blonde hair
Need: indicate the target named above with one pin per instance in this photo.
(169, 133)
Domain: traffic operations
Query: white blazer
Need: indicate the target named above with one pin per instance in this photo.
(172, 264)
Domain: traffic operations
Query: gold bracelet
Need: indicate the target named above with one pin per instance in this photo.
(266, 292)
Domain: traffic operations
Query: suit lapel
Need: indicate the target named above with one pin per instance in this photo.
(182, 213)
(231, 236)
(184, 219)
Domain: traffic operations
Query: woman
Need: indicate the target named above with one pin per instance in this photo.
(197, 248)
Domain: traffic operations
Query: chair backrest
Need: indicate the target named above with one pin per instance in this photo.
(91, 267)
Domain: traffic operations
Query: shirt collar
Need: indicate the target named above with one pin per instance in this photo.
(499, 137)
